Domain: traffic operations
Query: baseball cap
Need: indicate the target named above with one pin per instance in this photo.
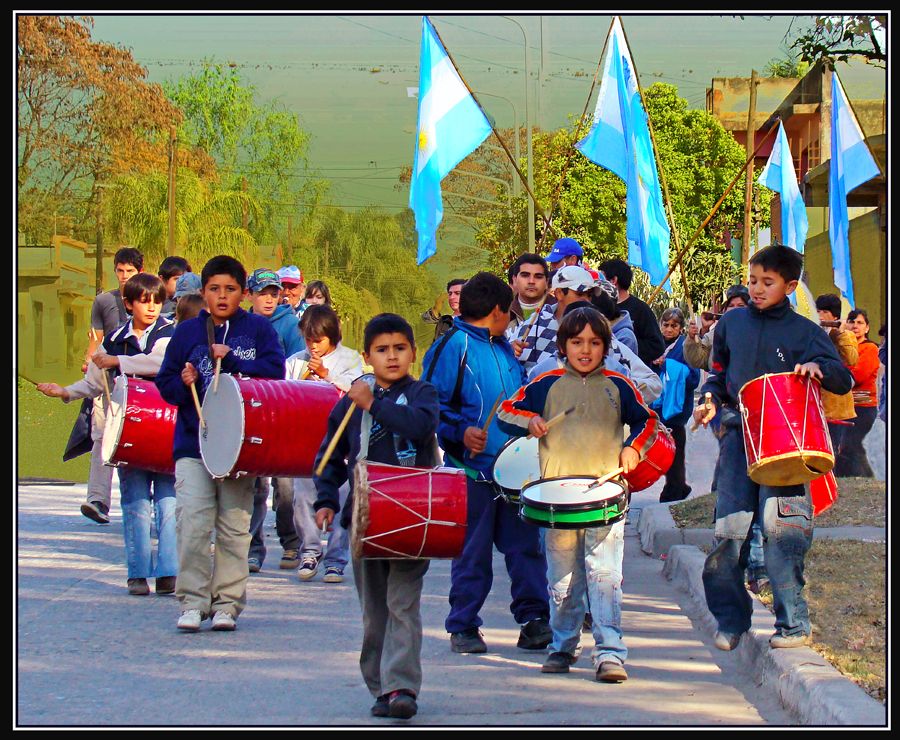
(574, 277)
(290, 274)
(187, 283)
(738, 291)
(563, 248)
(262, 278)
(607, 287)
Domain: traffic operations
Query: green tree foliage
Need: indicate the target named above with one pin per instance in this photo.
(839, 38)
(787, 66)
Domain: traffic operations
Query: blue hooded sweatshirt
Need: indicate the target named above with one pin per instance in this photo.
(287, 326)
(255, 351)
(623, 330)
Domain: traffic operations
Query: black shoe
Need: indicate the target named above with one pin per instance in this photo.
(380, 707)
(402, 704)
(588, 624)
(96, 511)
(165, 585)
(535, 635)
(138, 587)
(467, 641)
(558, 663)
(668, 496)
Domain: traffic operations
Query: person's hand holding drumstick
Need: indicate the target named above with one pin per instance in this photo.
(324, 518)
(809, 368)
(705, 412)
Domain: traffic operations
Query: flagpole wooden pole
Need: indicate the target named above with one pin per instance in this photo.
(509, 154)
(715, 208)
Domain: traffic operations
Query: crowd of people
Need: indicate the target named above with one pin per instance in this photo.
(556, 338)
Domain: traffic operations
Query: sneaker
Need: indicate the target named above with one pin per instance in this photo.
(223, 622)
(190, 620)
(97, 511)
(333, 574)
(558, 663)
(290, 559)
(611, 671)
(535, 635)
(467, 641)
(402, 704)
(756, 585)
(726, 640)
(309, 566)
(380, 707)
(165, 585)
(788, 641)
(138, 587)
(253, 565)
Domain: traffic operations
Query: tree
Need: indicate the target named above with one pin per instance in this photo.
(788, 66)
(838, 38)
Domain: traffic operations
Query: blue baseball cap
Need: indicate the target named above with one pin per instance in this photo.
(187, 283)
(565, 247)
(261, 279)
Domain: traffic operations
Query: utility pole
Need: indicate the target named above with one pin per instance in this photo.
(98, 274)
(170, 245)
(748, 192)
(244, 215)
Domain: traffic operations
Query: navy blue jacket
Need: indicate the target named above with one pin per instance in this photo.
(119, 344)
(749, 343)
(255, 351)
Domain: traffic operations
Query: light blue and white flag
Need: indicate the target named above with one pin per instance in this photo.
(851, 165)
(619, 140)
(450, 126)
(779, 175)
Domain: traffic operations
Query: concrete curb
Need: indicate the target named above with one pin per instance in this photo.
(809, 687)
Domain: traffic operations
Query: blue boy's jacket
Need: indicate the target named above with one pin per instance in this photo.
(255, 351)
(623, 330)
(404, 420)
(676, 403)
(486, 367)
(749, 343)
(287, 327)
(118, 343)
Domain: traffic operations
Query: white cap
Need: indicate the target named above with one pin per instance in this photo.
(574, 277)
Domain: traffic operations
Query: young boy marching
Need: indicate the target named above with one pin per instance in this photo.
(588, 443)
(766, 337)
(246, 344)
(398, 418)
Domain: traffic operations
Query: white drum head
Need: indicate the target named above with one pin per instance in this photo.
(518, 463)
(115, 418)
(221, 441)
(570, 491)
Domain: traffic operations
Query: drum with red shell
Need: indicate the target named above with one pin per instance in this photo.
(403, 513)
(264, 427)
(655, 463)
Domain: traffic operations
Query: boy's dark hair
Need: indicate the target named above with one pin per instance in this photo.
(605, 305)
(387, 323)
(129, 256)
(778, 258)
(829, 302)
(574, 321)
(224, 265)
(173, 267)
(481, 293)
(144, 285)
(455, 281)
(528, 258)
(188, 307)
(321, 321)
(619, 269)
(320, 287)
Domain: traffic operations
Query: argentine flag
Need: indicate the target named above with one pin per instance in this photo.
(851, 165)
(779, 175)
(619, 140)
(450, 126)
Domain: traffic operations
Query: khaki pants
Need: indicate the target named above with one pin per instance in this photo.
(202, 505)
(100, 478)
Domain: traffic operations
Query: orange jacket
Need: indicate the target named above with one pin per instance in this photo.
(865, 373)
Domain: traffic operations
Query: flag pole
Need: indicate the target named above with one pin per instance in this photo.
(662, 177)
(509, 154)
(568, 162)
(715, 208)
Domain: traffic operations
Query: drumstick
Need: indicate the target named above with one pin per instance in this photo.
(334, 440)
(216, 378)
(106, 387)
(707, 402)
(197, 404)
(25, 377)
(604, 479)
(555, 420)
(494, 408)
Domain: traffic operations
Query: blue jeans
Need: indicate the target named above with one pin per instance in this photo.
(785, 515)
(337, 552)
(586, 561)
(135, 489)
(258, 519)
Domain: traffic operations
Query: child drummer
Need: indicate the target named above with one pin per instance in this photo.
(767, 337)
(398, 420)
(587, 442)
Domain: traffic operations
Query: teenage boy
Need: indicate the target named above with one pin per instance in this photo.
(646, 327)
(766, 337)
(398, 418)
(170, 269)
(246, 344)
(528, 278)
(473, 367)
(443, 322)
(566, 251)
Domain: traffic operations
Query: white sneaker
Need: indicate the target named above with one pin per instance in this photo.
(190, 620)
(309, 566)
(223, 622)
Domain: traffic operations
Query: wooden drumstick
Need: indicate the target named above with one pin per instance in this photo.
(494, 408)
(197, 405)
(707, 403)
(553, 421)
(106, 387)
(216, 378)
(334, 440)
(604, 479)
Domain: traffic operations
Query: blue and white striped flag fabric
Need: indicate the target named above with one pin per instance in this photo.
(619, 140)
(779, 175)
(851, 165)
(450, 126)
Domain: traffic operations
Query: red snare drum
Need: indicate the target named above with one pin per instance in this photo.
(823, 492)
(785, 432)
(140, 427)
(655, 463)
(263, 427)
(404, 513)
